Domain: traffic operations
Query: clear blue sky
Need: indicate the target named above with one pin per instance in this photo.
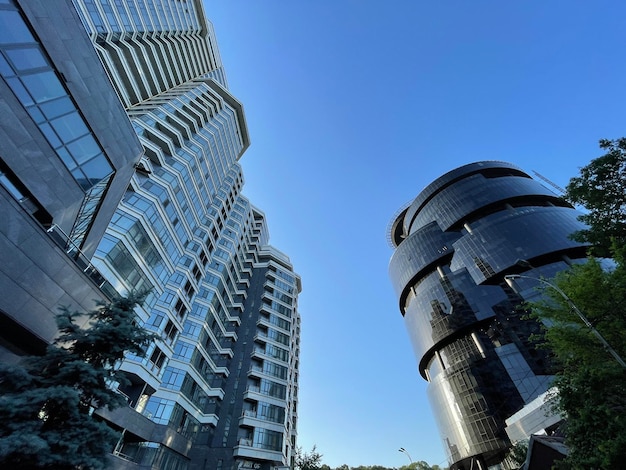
(353, 107)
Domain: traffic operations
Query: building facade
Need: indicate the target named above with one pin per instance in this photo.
(218, 389)
(454, 244)
(67, 153)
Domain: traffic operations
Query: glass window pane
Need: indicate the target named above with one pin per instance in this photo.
(13, 29)
(10, 187)
(57, 107)
(97, 169)
(69, 127)
(67, 158)
(5, 68)
(50, 135)
(37, 116)
(79, 176)
(19, 90)
(83, 149)
(26, 58)
(43, 86)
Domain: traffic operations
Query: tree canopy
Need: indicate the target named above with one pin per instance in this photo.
(46, 402)
(313, 461)
(308, 460)
(591, 383)
(601, 190)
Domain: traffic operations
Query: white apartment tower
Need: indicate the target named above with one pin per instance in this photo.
(218, 390)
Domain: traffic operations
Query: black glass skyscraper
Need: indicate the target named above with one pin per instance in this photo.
(453, 246)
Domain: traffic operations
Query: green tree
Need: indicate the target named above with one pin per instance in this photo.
(601, 189)
(308, 460)
(420, 465)
(517, 453)
(591, 383)
(46, 402)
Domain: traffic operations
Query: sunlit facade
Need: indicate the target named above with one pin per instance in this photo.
(185, 232)
(453, 246)
(133, 180)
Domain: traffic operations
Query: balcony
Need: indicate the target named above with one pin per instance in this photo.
(253, 392)
(250, 419)
(247, 448)
(261, 337)
(258, 353)
(265, 321)
(256, 371)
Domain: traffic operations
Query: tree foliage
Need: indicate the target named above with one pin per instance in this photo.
(313, 461)
(420, 465)
(517, 453)
(591, 384)
(308, 460)
(601, 189)
(46, 402)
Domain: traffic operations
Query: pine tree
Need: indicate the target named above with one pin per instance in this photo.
(47, 402)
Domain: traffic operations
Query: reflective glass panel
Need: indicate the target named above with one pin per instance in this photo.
(57, 107)
(26, 58)
(67, 158)
(12, 28)
(20, 91)
(97, 168)
(43, 86)
(83, 149)
(5, 68)
(50, 135)
(69, 127)
(36, 114)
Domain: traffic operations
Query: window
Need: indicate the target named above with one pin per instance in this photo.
(270, 412)
(26, 58)
(180, 309)
(266, 439)
(197, 274)
(189, 290)
(273, 389)
(157, 358)
(173, 378)
(155, 321)
(13, 185)
(170, 331)
(183, 350)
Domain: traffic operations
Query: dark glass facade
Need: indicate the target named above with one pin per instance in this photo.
(453, 246)
(67, 155)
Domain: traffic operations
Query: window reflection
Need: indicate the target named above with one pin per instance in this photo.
(26, 58)
(33, 80)
(13, 29)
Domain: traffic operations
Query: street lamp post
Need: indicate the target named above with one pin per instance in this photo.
(572, 306)
(403, 450)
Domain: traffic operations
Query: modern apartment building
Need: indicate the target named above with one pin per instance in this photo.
(218, 390)
(454, 244)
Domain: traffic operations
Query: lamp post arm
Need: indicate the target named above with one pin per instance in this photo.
(404, 451)
(580, 314)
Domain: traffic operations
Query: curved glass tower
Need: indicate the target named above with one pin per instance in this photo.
(453, 246)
